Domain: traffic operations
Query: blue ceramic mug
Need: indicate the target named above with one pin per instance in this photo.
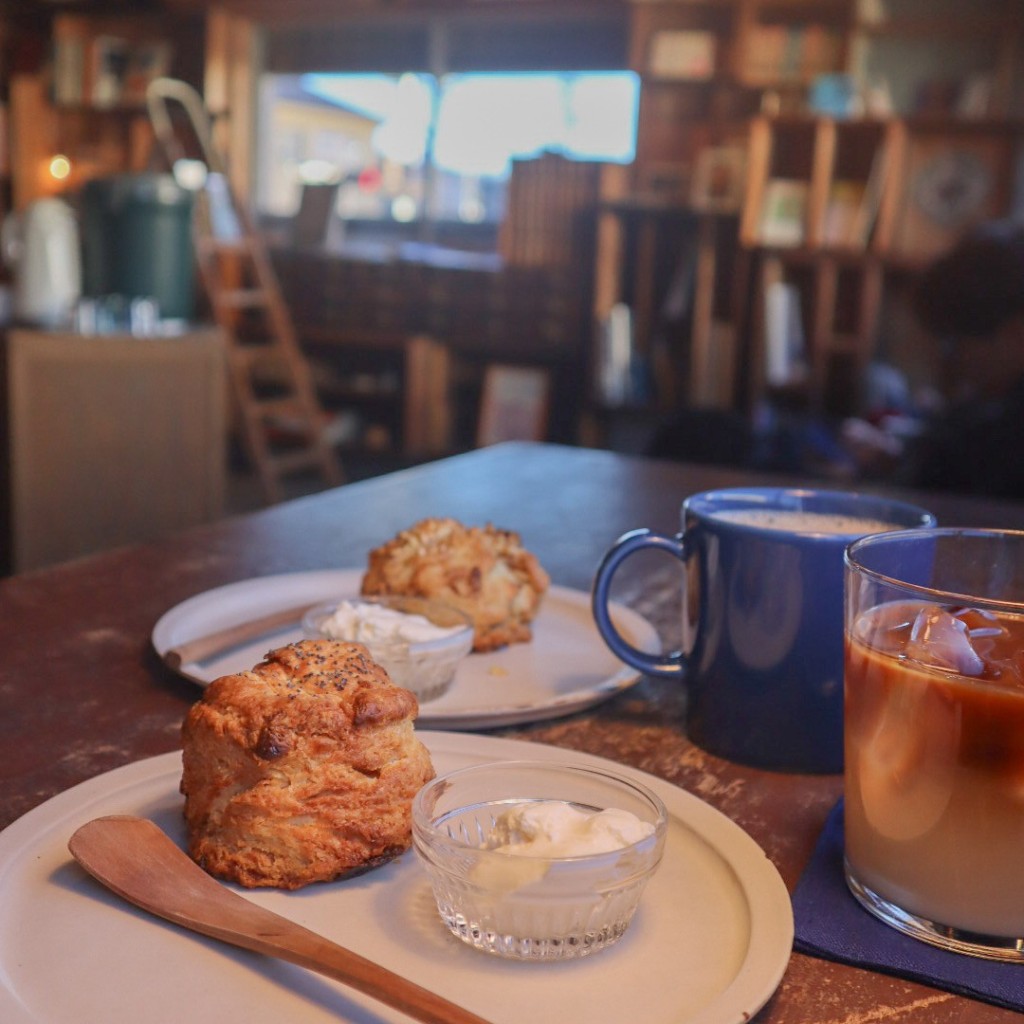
(762, 617)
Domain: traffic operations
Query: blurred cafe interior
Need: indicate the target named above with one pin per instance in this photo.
(252, 249)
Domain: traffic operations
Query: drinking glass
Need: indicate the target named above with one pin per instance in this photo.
(934, 735)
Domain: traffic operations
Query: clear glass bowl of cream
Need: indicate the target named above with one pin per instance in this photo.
(534, 860)
(419, 642)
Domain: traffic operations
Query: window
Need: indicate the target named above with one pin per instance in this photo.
(422, 149)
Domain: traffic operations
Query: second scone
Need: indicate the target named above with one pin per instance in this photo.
(303, 769)
(482, 570)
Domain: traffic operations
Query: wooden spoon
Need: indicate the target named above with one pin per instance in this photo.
(139, 862)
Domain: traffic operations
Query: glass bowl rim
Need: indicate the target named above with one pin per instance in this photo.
(422, 823)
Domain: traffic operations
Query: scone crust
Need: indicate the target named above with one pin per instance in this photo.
(484, 571)
(303, 769)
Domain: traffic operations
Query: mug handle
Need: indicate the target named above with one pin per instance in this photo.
(667, 666)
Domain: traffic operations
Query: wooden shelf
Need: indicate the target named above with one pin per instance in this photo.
(857, 180)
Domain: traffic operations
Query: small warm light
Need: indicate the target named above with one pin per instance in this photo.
(60, 167)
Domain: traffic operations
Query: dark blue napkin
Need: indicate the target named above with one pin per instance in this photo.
(831, 924)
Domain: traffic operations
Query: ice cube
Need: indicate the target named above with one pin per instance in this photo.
(980, 623)
(941, 640)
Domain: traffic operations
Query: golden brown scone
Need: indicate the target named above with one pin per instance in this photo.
(484, 571)
(303, 769)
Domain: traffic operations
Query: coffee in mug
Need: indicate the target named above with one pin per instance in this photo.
(807, 522)
(762, 617)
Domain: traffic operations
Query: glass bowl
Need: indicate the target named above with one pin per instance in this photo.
(424, 666)
(554, 906)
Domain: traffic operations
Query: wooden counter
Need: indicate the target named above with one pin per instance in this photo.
(114, 439)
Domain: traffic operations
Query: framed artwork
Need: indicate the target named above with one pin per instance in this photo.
(684, 54)
(514, 404)
(784, 212)
(718, 179)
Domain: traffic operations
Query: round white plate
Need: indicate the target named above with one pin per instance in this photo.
(709, 943)
(565, 667)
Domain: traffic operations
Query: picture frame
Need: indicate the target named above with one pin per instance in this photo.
(683, 54)
(784, 213)
(719, 177)
(514, 404)
(109, 66)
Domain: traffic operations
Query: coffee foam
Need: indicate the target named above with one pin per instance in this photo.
(800, 521)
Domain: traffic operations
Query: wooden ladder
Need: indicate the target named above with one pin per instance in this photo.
(282, 427)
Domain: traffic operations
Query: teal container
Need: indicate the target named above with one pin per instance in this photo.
(137, 241)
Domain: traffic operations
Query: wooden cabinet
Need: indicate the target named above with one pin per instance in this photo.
(112, 439)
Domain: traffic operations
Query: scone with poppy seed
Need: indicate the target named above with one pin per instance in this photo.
(303, 769)
(482, 570)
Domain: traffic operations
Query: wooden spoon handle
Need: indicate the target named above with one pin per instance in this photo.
(136, 860)
(204, 647)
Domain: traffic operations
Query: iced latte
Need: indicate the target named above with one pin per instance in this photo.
(934, 753)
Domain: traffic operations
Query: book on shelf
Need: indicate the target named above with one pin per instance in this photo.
(871, 201)
(783, 212)
(784, 339)
(791, 52)
(683, 54)
(843, 213)
(764, 55)
(851, 209)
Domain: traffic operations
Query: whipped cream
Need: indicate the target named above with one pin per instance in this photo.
(536, 834)
(554, 828)
(361, 622)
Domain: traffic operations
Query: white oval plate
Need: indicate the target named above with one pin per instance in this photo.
(566, 667)
(709, 943)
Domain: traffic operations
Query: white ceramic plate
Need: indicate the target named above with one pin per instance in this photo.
(565, 667)
(709, 943)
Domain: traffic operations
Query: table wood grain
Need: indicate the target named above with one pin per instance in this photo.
(82, 691)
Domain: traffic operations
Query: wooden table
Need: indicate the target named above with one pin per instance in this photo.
(82, 692)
